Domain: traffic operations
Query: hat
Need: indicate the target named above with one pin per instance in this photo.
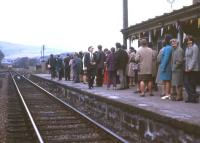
(168, 37)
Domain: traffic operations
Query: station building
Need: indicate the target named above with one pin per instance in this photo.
(178, 23)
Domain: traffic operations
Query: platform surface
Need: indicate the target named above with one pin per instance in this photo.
(179, 110)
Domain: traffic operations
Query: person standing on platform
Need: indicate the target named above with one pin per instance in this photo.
(191, 70)
(155, 68)
(144, 57)
(67, 68)
(131, 62)
(158, 81)
(80, 55)
(105, 74)
(89, 62)
(71, 69)
(165, 67)
(111, 67)
(121, 65)
(59, 67)
(76, 65)
(177, 71)
(100, 59)
(52, 66)
(84, 69)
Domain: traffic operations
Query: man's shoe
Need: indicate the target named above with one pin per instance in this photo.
(179, 98)
(162, 95)
(120, 88)
(191, 101)
(151, 94)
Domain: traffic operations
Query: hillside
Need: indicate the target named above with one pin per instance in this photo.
(12, 51)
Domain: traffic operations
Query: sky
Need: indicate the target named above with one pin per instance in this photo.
(74, 25)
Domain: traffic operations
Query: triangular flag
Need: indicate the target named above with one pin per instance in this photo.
(161, 31)
(150, 36)
(184, 36)
(176, 25)
(154, 32)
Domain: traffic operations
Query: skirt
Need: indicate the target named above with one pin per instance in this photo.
(145, 77)
(177, 78)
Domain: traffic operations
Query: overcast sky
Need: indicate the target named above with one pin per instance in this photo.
(74, 25)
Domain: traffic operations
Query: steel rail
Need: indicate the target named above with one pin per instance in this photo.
(108, 131)
(28, 112)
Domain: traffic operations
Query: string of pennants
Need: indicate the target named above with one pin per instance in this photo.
(174, 28)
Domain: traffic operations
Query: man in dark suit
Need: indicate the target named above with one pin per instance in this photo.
(121, 63)
(100, 59)
(59, 66)
(67, 67)
(52, 66)
(90, 63)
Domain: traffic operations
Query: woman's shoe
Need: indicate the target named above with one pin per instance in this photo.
(137, 91)
(166, 97)
(142, 95)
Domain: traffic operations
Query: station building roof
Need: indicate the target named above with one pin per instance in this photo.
(189, 14)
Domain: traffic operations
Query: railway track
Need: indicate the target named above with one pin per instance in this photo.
(55, 121)
(18, 127)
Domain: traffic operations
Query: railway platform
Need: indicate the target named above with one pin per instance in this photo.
(172, 111)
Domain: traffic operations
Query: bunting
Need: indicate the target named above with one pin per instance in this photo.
(168, 27)
(154, 32)
(161, 31)
(150, 36)
(184, 36)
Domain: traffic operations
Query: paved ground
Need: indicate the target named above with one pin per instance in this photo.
(179, 110)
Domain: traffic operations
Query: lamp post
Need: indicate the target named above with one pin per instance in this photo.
(125, 20)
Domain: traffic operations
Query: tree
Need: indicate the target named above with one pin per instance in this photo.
(22, 62)
(1, 56)
(33, 62)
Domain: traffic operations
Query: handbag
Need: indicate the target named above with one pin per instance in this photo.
(49, 66)
(136, 67)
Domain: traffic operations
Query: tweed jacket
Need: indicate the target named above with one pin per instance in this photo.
(191, 58)
(177, 59)
(144, 57)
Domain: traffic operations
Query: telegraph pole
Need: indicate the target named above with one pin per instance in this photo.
(125, 20)
(43, 52)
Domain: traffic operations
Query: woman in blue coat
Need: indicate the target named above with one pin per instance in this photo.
(165, 67)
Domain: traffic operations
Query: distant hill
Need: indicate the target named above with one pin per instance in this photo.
(12, 51)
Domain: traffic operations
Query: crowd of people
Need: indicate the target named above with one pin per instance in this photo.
(172, 67)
